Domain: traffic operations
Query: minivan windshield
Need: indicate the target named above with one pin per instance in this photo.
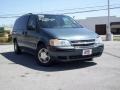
(57, 21)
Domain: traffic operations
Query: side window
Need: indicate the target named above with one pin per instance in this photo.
(32, 23)
(67, 22)
(21, 23)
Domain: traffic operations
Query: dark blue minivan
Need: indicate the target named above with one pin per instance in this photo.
(55, 37)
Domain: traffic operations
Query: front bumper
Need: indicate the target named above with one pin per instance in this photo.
(71, 54)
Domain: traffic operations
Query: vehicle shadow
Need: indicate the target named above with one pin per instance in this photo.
(28, 60)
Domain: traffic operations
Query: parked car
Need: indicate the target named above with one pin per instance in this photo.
(55, 37)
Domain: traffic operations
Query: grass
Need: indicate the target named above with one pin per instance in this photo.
(116, 38)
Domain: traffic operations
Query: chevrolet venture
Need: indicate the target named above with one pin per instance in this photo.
(55, 37)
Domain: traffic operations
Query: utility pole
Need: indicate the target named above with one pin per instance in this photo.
(109, 36)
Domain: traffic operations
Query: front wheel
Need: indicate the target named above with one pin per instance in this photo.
(43, 57)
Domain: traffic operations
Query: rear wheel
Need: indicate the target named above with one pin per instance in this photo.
(17, 49)
(43, 57)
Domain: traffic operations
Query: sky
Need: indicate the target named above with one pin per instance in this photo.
(20, 7)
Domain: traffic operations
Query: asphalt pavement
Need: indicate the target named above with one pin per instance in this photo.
(20, 72)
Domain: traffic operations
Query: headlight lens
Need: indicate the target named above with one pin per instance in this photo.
(61, 43)
(98, 40)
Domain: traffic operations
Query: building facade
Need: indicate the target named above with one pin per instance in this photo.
(99, 24)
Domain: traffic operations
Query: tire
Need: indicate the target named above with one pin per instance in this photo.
(43, 57)
(17, 49)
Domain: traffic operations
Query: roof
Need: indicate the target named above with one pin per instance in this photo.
(43, 14)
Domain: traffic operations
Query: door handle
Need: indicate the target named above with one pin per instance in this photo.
(24, 33)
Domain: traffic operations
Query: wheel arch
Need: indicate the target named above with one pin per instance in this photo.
(14, 39)
(41, 43)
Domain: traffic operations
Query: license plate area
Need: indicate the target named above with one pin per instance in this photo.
(87, 52)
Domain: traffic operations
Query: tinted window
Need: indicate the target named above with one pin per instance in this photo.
(21, 23)
(57, 21)
(33, 21)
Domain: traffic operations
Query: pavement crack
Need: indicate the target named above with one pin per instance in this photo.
(111, 54)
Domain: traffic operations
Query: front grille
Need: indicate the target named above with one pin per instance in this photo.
(83, 43)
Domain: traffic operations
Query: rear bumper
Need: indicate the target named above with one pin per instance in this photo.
(72, 54)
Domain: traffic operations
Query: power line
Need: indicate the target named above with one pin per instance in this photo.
(85, 11)
(4, 15)
(82, 8)
(75, 8)
(9, 16)
(91, 10)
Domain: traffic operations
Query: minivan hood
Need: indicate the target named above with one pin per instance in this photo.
(71, 33)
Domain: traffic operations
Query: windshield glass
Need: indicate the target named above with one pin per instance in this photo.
(57, 21)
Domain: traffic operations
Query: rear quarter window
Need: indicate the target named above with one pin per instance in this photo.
(21, 23)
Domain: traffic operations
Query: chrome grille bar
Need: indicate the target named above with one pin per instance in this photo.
(83, 42)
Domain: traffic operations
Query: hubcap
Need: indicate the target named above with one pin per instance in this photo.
(43, 55)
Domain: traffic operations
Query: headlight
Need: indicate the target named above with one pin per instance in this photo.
(61, 43)
(98, 40)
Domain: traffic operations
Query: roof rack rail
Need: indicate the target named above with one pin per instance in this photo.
(29, 13)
